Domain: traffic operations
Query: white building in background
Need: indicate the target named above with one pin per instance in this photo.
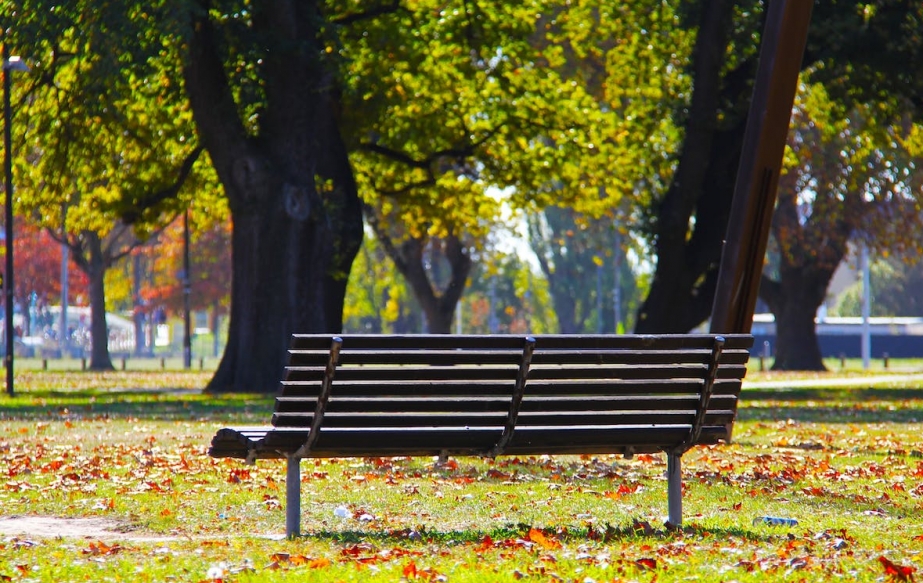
(121, 330)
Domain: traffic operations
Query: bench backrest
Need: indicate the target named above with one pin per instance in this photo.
(435, 394)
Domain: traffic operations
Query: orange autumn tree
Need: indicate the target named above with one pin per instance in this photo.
(210, 269)
(37, 271)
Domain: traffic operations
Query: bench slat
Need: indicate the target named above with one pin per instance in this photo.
(396, 373)
(527, 419)
(409, 341)
(450, 357)
(540, 388)
(419, 357)
(498, 404)
(541, 371)
(480, 341)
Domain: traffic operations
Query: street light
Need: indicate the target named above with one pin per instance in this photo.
(10, 64)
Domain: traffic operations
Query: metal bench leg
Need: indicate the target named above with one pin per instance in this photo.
(674, 488)
(293, 497)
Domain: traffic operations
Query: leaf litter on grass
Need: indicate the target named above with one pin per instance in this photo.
(855, 489)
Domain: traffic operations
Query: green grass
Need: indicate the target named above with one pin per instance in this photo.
(846, 462)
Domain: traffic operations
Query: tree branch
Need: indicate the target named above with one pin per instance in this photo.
(149, 200)
(373, 12)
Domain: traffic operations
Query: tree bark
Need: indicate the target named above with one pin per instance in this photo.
(794, 301)
(293, 200)
(438, 302)
(689, 252)
(95, 268)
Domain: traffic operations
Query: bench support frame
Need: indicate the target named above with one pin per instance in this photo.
(293, 497)
(674, 488)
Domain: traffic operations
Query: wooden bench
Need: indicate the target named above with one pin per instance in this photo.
(427, 395)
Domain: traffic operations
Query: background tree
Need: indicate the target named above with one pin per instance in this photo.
(152, 281)
(507, 295)
(579, 256)
(103, 141)
(463, 107)
(37, 265)
(210, 268)
(689, 218)
(377, 299)
(846, 179)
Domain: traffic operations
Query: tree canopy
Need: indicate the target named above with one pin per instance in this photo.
(847, 180)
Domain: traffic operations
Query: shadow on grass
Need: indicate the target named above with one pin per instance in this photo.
(150, 404)
(519, 535)
(835, 405)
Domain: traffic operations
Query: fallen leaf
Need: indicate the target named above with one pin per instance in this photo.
(319, 563)
(539, 538)
(486, 543)
(100, 548)
(410, 570)
(896, 572)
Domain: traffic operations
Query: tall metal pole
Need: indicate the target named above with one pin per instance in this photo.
(187, 290)
(781, 53)
(599, 299)
(866, 308)
(65, 291)
(617, 285)
(8, 168)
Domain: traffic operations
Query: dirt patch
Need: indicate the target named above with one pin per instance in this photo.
(53, 527)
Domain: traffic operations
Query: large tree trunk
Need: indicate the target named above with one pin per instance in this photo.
(99, 331)
(689, 251)
(794, 301)
(294, 205)
(809, 251)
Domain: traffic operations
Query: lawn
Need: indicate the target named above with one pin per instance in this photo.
(125, 453)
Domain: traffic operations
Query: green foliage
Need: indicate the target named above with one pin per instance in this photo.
(450, 100)
(895, 286)
(569, 104)
(841, 33)
(846, 176)
(506, 296)
(377, 298)
(105, 127)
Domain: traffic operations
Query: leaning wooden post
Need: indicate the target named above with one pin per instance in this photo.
(781, 52)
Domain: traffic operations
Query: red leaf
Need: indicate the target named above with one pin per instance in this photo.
(647, 564)
(896, 572)
(486, 543)
(410, 570)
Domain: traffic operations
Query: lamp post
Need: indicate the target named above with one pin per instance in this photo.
(187, 290)
(10, 64)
